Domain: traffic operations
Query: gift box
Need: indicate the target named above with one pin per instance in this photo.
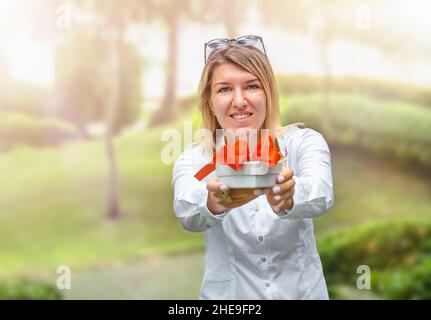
(237, 166)
(253, 174)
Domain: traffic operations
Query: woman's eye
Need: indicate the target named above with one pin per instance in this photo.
(224, 89)
(253, 87)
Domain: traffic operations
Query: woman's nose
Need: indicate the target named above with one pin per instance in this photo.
(239, 100)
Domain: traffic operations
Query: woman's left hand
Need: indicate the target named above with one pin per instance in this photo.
(280, 196)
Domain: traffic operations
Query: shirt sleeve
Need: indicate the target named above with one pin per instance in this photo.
(314, 194)
(190, 196)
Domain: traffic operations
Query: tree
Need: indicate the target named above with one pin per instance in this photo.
(82, 79)
(303, 16)
(328, 20)
(4, 75)
(113, 106)
(111, 21)
(169, 12)
(114, 20)
(229, 16)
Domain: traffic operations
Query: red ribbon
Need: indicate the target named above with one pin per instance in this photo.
(235, 155)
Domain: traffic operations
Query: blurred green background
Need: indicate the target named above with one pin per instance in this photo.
(88, 87)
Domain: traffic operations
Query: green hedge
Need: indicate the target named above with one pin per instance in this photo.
(390, 127)
(18, 128)
(398, 254)
(405, 283)
(377, 89)
(25, 289)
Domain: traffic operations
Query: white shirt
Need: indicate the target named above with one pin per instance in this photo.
(252, 252)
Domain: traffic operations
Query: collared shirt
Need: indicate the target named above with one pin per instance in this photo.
(251, 252)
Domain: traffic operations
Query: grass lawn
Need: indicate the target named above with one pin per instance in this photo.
(52, 204)
(368, 188)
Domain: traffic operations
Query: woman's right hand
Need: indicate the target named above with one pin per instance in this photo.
(221, 198)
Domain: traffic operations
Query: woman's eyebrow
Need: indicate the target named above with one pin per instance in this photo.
(223, 82)
(252, 80)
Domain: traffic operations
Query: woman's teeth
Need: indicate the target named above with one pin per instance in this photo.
(241, 116)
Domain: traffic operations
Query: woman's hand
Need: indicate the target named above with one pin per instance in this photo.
(221, 198)
(280, 196)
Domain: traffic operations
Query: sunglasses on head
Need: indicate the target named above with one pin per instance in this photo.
(246, 41)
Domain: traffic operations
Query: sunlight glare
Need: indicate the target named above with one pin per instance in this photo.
(32, 61)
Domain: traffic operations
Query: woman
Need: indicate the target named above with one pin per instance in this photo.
(260, 244)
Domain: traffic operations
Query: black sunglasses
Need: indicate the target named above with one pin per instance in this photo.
(246, 41)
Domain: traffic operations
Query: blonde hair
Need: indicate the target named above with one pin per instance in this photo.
(253, 61)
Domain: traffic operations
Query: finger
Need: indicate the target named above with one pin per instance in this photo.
(283, 187)
(276, 208)
(222, 200)
(275, 199)
(284, 194)
(220, 197)
(226, 198)
(215, 186)
(219, 192)
(271, 200)
(285, 204)
(217, 197)
(285, 175)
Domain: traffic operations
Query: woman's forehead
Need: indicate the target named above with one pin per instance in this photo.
(228, 72)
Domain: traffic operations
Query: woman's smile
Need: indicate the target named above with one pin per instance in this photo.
(241, 117)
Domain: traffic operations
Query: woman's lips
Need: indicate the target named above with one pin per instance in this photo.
(241, 116)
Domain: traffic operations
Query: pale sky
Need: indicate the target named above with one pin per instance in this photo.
(32, 59)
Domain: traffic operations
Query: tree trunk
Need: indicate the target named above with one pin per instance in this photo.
(4, 73)
(113, 210)
(325, 124)
(82, 130)
(230, 18)
(167, 111)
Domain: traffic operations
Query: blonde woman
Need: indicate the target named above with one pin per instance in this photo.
(260, 243)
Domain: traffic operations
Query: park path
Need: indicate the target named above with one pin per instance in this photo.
(172, 277)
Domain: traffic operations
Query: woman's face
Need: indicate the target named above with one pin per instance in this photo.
(237, 97)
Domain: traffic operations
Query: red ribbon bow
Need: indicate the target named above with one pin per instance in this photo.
(235, 155)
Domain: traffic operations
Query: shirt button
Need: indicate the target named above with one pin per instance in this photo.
(256, 209)
(267, 284)
(260, 238)
(263, 259)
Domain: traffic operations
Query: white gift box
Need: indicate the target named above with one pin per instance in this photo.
(253, 174)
